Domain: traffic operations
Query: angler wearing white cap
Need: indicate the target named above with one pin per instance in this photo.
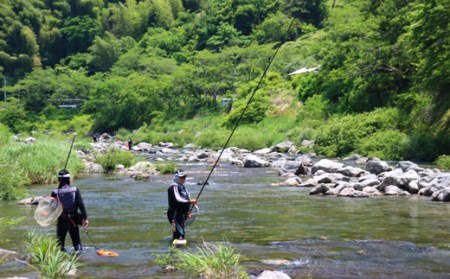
(179, 206)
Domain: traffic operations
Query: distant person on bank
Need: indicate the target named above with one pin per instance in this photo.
(130, 144)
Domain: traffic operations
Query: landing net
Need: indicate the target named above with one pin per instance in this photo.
(195, 210)
(47, 211)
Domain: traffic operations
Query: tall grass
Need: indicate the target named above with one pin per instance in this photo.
(221, 262)
(209, 262)
(42, 160)
(48, 258)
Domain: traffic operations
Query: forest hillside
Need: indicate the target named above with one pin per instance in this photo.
(378, 82)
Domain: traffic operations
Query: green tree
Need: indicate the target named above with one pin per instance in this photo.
(79, 33)
(310, 11)
(226, 35)
(163, 14)
(104, 52)
(428, 39)
(254, 113)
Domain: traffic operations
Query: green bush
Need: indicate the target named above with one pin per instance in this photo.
(315, 108)
(252, 138)
(255, 112)
(443, 162)
(389, 144)
(212, 139)
(114, 157)
(166, 167)
(221, 262)
(123, 134)
(427, 147)
(81, 124)
(12, 181)
(218, 262)
(341, 135)
(48, 258)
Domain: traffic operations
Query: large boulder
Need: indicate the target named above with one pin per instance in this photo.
(267, 274)
(8, 256)
(440, 188)
(30, 200)
(327, 166)
(30, 140)
(377, 167)
(283, 147)
(407, 165)
(253, 161)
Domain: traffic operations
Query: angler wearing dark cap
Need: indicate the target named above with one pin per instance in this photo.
(179, 205)
(74, 212)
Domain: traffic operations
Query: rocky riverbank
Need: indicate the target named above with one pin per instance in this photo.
(355, 176)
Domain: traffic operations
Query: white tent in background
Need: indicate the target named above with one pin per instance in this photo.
(305, 70)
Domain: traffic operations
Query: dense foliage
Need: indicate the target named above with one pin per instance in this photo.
(381, 88)
(47, 257)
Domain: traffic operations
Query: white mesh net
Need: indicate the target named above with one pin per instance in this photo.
(47, 211)
(191, 218)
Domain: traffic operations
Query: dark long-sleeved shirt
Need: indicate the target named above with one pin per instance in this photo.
(71, 200)
(178, 197)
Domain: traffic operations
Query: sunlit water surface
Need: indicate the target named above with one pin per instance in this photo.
(273, 228)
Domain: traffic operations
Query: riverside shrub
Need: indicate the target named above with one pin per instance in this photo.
(12, 181)
(341, 135)
(389, 144)
(112, 158)
(254, 138)
(443, 162)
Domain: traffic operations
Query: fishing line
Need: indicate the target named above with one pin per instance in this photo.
(98, 250)
(245, 109)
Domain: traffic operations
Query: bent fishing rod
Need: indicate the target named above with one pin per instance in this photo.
(245, 109)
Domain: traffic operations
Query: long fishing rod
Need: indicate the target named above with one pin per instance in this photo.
(99, 251)
(245, 109)
(70, 151)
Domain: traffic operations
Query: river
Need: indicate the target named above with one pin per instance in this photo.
(276, 228)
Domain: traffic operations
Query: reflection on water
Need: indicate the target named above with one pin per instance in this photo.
(275, 228)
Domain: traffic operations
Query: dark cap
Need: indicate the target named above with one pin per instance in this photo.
(63, 174)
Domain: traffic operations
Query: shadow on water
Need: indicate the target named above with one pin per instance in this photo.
(273, 228)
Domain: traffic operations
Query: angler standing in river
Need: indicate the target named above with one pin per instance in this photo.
(70, 218)
(179, 205)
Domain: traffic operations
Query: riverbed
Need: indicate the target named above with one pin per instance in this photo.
(276, 228)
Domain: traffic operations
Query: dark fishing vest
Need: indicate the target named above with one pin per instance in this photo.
(178, 198)
(67, 196)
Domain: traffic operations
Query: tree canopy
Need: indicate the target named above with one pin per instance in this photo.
(129, 62)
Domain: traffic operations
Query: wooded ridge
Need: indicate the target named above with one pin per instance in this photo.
(380, 88)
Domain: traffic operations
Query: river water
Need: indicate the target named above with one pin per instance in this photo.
(275, 228)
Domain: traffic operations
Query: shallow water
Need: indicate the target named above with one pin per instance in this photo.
(273, 228)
